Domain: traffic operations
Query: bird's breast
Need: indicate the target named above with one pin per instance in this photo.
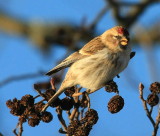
(95, 71)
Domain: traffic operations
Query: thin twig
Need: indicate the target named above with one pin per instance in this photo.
(39, 92)
(69, 114)
(141, 87)
(14, 130)
(151, 109)
(60, 117)
(36, 96)
(149, 112)
(41, 100)
(156, 126)
(88, 99)
(76, 99)
(82, 111)
(52, 82)
(20, 126)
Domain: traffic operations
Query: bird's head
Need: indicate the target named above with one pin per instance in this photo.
(116, 38)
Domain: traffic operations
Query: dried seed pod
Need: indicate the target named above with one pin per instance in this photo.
(33, 122)
(9, 104)
(115, 104)
(27, 100)
(70, 91)
(35, 115)
(152, 99)
(49, 93)
(46, 117)
(155, 87)
(83, 130)
(29, 110)
(91, 117)
(16, 107)
(67, 103)
(111, 87)
(39, 106)
(72, 127)
(56, 103)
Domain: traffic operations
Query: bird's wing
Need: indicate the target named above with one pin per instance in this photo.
(66, 63)
(93, 46)
(90, 48)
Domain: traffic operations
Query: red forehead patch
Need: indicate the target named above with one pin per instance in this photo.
(122, 31)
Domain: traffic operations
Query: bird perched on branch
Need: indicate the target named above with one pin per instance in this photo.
(97, 63)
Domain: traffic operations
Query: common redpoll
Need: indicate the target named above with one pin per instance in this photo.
(97, 63)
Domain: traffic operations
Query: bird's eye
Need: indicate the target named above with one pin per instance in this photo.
(117, 37)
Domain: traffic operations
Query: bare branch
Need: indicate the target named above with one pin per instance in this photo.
(21, 77)
(20, 126)
(137, 9)
(60, 117)
(149, 112)
(141, 87)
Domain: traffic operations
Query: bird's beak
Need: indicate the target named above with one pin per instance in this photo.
(124, 41)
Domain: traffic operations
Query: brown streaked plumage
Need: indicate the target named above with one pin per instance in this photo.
(93, 46)
(98, 62)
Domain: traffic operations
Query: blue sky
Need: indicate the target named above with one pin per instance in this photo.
(18, 56)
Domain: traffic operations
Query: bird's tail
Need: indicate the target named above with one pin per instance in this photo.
(53, 98)
(54, 70)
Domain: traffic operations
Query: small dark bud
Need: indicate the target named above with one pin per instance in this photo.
(115, 104)
(152, 99)
(141, 87)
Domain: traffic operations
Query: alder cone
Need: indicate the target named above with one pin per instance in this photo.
(152, 99)
(155, 87)
(115, 104)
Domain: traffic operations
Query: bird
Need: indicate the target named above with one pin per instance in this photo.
(96, 63)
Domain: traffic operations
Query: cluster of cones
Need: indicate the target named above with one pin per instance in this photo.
(30, 111)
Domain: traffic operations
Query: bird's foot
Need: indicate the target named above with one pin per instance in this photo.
(77, 94)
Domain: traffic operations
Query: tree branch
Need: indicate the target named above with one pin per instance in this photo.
(21, 77)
